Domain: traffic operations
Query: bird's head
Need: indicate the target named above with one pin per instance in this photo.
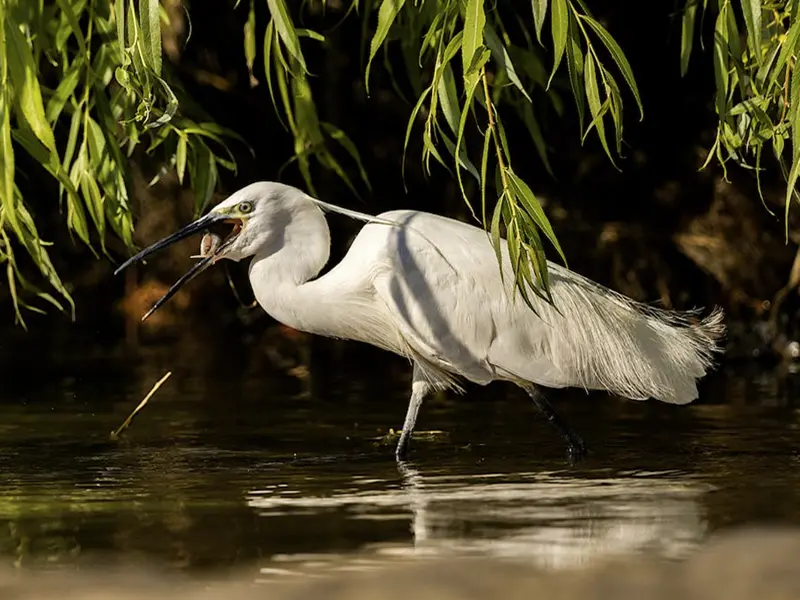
(249, 219)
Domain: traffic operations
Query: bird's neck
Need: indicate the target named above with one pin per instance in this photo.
(280, 274)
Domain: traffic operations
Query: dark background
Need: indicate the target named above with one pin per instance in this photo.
(659, 230)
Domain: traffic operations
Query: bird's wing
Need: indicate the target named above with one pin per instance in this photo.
(440, 282)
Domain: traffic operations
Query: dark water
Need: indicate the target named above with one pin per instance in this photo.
(242, 463)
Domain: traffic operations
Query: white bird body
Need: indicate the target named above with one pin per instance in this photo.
(429, 288)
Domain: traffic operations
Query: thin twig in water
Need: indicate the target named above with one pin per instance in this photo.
(115, 434)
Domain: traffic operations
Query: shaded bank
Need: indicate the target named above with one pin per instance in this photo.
(744, 565)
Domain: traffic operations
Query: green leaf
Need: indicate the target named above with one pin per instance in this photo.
(721, 75)
(575, 66)
(752, 18)
(286, 31)
(268, 45)
(534, 209)
(63, 92)
(595, 108)
(539, 12)
(559, 21)
(619, 57)
(472, 41)
(203, 172)
(687, 33)
(23, 73)
(180, 158)
(119, 17)
(386, 16)
(411, 120)
(250, 42)
(150, 26)
(500, 54)
(340, 136)
(448, 98)
(72, 19)
(472, 86)
(487, 141)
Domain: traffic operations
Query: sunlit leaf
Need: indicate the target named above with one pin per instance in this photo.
(286, 31)
(386, 16)
(150, 27)
(539, 12)
(559, 21)
(472, 41)
(619, 57)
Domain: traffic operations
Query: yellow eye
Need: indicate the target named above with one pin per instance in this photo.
(245, 207)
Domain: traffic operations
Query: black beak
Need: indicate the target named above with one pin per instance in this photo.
(201, 224)
(192, 228)
(198, 268)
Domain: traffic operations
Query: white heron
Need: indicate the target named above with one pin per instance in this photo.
(429, 288)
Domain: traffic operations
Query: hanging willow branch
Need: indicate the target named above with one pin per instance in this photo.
(114, 96)
(757, 83)
(493, 72)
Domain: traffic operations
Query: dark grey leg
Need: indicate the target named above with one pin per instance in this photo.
(576, 448)
(420, 388)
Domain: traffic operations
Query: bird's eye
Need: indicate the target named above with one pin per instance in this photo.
(245, 207)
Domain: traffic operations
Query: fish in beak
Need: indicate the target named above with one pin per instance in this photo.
(212, 249)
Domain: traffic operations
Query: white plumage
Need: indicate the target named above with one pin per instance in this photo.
(429, 288)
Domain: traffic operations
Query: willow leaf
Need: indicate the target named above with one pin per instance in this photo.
(687, 33)
(575, 66)
(386, 15)
(340, 136)
(269, 36)
(721, 75)
(23, 73)
(63, 92)
(596, 109)
(619, 57)
(559, 21)
(150, 26)
(448, 98)
(534, 209)
(472, 86)
(539, 12)
(752, 19)
(180, 158)
(500, 54)
(286, 31)
(472, 41)
(250, 42)
(72, 19)
(487, 141)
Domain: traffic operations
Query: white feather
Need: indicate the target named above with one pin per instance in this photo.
(429, 288)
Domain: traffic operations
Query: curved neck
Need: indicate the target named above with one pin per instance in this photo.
(279, 271)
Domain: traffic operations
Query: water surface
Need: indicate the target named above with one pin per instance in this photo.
(281, 470)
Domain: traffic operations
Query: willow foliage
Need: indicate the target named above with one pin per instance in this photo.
(756, 46)
(470, 69)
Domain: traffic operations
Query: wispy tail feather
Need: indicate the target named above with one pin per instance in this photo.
(607, 341)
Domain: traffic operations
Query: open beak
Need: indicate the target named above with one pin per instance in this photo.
(201, 224)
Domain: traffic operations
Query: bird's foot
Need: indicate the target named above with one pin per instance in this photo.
(576, 448)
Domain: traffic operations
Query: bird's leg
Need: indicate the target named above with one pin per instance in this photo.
(420, 388)
(575, 445)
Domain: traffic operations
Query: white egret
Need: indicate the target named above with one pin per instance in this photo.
(429, 288)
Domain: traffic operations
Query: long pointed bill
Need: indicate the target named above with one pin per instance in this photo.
(192, 228)
(198, 268)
